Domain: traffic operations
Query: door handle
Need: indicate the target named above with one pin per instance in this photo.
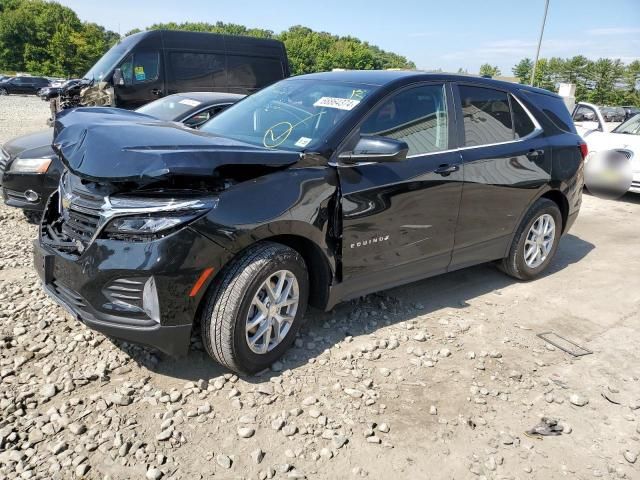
(156, 91)
(447, 169)
(535, 155)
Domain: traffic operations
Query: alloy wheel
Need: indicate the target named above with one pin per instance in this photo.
(3, 91)
(272, 311)
(539, 240)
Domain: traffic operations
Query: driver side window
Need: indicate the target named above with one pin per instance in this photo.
(417, 116)
(141, 67)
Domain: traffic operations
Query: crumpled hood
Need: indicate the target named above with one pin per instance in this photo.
(33, 145)
(114, 145)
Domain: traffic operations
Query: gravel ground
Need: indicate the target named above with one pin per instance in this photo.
(438, 379)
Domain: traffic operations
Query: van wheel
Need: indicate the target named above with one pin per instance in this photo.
(255, 309)
(535, 242)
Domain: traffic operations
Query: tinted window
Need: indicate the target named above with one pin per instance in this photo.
(253, 72)
(141, 67)
(522, 123)
(198, 70)
(417, 116)
(486, 115)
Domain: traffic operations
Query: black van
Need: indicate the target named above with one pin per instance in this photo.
(155, 63)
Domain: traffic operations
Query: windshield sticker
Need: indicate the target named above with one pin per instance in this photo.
(188, 101)
(302, 142)
(139, 72)
(339, 103)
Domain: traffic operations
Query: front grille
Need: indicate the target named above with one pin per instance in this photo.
(72, 216)
(126, 290)
(81, 215)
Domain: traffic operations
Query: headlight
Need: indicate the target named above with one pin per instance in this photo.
(148, 217)
(30, 165)
(149, 224)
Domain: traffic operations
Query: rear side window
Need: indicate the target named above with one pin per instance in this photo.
(417, 116)
(486, 114)
(196, 70)
(522, 124)
(253, 72)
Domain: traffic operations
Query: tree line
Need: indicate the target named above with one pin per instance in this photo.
(604, 81)
(46, 38)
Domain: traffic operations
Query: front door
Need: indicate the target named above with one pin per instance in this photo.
(399, 218)
(506, 162)
(143, 80)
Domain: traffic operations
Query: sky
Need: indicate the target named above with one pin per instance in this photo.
(434, 34)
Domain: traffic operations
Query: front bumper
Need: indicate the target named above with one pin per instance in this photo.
(104, 286)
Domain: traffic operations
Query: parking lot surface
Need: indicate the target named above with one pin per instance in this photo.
(439, 379)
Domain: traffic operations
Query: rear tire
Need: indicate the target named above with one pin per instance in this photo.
(535, 242)
(232, 330)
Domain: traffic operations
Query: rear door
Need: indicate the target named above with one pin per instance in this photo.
(399, 218)
(506, 160)
(143, 79)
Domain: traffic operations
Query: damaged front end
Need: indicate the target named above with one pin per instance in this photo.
(78, 92)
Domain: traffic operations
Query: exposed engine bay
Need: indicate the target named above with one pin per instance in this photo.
(77, 92)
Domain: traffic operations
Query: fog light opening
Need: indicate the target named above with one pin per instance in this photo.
(31, 196)
(150, 303)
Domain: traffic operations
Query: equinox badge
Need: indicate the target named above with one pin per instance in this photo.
(371, 241)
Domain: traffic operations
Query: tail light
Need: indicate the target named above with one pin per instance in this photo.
(584, 150)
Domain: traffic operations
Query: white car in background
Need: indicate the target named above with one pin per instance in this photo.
(624, 139)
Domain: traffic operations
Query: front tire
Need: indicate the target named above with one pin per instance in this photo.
(255, 310)
(3, 91)
(535, 242)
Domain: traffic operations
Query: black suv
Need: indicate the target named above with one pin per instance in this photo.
(315, 190)
(22, 85)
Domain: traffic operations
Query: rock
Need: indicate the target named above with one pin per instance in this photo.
(289, 430)
(515, 375)
(77, 428)
(153, 474)
(257, 456)
(433, 410)
(82, 469)
(506, 439)
(420, 336)
(308, 401)
(339, 441)
(578, 400)
(277, 424)
(58, 447)
(444, 352)
(223, 460)
(385, 372)
(630, 456)
(246, 432)
(352, 392)
(119, 399)
(471, 355)
(384, 428)
(48, 391)
(374, 439)
(164, 435)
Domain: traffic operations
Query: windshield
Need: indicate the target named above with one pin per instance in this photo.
(631, 126)
(292, 114)
(107, 63)
(169, 108)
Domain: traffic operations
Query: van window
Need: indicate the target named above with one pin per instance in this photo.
(196, 70)
(417, 116)
(486, 114)
(140, 67)
(253, 72)
(522, 123)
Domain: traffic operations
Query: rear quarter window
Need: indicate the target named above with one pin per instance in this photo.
(553, 108)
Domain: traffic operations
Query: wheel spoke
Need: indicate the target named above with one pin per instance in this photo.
(258, 319)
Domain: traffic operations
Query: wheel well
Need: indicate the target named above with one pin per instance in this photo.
(563, 204)
(317, 266)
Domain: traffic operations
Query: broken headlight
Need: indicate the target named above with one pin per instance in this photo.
(152, 217)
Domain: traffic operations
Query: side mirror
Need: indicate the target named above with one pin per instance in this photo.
(118, 79)
(376, 149)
